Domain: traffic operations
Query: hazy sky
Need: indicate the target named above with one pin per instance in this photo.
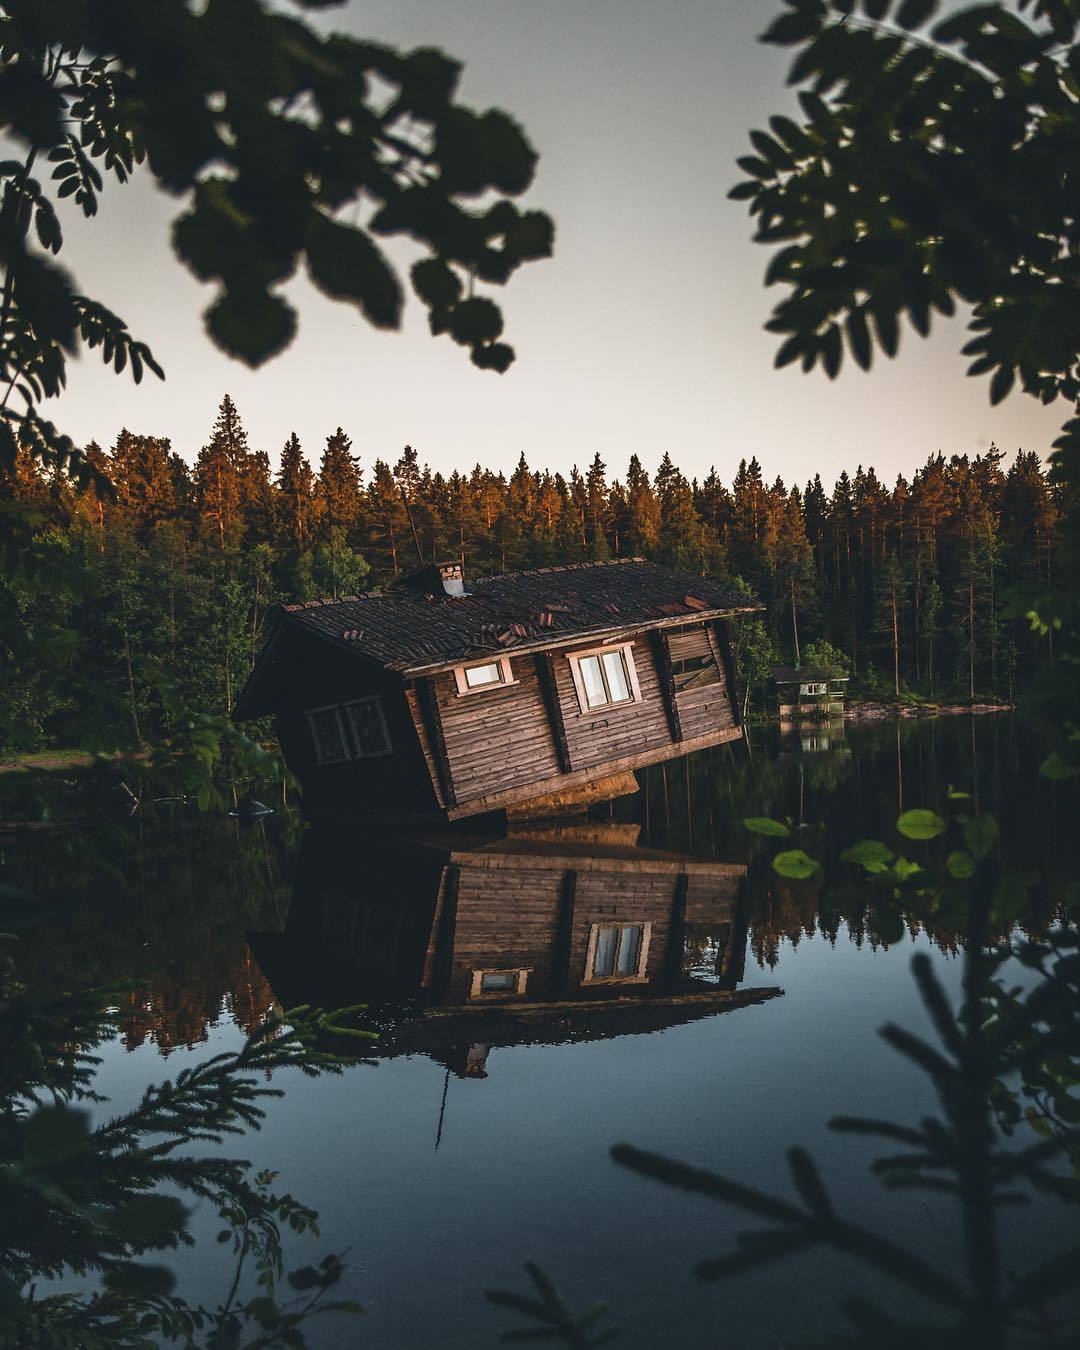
(642, 334)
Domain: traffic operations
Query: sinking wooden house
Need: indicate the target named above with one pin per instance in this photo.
(809, 691)
(544, 936)
(534, 691)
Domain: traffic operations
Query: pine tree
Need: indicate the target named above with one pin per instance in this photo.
(296, 487)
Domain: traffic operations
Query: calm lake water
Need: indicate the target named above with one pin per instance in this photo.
(646, 978)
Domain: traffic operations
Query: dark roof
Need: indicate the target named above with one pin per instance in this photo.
(413, 629)
(804, 674)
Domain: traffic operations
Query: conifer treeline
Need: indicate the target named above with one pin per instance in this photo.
(905, 582)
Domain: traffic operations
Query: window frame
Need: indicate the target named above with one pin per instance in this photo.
(347, 708)
(521, 973)
(336, 709)
(814, 689)
(639, 976)
(506, 675)
(625, 649)
(350, 742)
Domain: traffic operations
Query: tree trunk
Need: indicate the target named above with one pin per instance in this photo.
(132, 706)
(795, 624)
(895, 644)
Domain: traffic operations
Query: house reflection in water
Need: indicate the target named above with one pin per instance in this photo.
(548, 935)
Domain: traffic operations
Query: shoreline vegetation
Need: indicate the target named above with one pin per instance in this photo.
(173, 576)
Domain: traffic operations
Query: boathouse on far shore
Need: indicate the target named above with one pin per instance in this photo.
(531, 692)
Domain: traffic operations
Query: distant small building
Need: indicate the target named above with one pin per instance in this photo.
(809, 691)
(530, 692)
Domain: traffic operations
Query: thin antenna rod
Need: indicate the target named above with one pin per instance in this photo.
(442, 1110)
(412, 524)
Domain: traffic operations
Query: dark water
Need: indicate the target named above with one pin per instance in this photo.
(646, 978)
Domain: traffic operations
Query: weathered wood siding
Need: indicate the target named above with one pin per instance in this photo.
(711, 707)
(601, 735)
(496, 738)
(534, 731)
(505, 920)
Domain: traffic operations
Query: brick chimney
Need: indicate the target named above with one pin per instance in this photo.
(452, 575)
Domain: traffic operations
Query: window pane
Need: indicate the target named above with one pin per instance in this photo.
(367, 725)
(326, 733)
(595, 693)
(629, 949)
(477, 676)
(607, 939)
(615, 670)
(499, 981)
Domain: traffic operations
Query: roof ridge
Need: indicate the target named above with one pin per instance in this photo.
(559, 567)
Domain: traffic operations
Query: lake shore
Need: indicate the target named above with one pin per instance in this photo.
(870, 711)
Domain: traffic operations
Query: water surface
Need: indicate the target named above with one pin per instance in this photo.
(676, 995)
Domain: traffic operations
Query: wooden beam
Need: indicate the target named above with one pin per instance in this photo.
(662, 652)
(735, 692)
(497, 801)
(429, 709)
(545, 669)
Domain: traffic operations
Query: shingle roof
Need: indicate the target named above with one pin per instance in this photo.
(409, 630)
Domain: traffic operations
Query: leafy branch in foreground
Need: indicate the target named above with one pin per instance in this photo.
(96, 1200)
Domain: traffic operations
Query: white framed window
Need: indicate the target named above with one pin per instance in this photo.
(499, 983)
(813, 688)
(471, 679)
(355, 730)
(617, 952)
(605, 676)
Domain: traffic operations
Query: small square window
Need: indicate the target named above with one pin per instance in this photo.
(477, 676)
(498, 983)
(484, 675)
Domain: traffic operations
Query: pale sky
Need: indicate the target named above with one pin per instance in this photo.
(642, 334)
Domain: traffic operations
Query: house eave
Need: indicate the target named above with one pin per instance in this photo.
(562, 640)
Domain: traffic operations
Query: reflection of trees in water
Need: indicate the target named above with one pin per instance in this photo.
(836, 796)
(172, 920)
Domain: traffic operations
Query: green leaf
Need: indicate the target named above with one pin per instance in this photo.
(869, 853)
(436, 283)
(904, 868)
(794, 864)
(252, 326)
(346, 264)
(765, 825)
(920, 824)
(960, 865)
(980, 834)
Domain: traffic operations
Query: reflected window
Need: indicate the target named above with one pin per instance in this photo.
(499, 983)
(604, 678)
(617, 951)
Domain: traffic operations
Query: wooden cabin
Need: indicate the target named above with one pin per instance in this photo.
(437, 699)
(809, 691)
(555, 936)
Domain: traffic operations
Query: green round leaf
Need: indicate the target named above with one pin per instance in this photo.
(794, 864)
(920, 824)
(763, 825)
(869, 853)
(960, 865)
(980, 834)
